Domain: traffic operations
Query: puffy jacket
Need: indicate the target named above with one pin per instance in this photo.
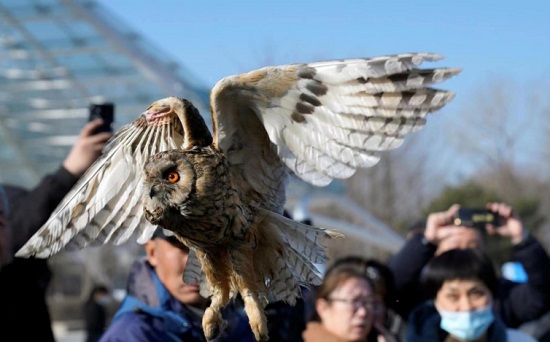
(23, 282)
(515, 304)
(150, 313)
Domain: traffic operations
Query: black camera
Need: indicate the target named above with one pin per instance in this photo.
(475, 218)
(105, 111)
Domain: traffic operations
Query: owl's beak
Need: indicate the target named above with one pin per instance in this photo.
(152, 192)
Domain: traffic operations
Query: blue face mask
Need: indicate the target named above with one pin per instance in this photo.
(467, 325)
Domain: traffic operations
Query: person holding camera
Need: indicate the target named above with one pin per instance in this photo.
(515, 303)
(461, 285)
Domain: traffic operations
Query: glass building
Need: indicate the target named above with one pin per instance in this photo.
(57, 57)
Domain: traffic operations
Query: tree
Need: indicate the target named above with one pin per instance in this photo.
(470, 194)
(497, 134)
(404, 180)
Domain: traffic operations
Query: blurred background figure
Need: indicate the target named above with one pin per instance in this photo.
(5, 233)
(286, 322)
(516, 302)
(23, 282)
(343, 307)
(96, 312)
(346, 306)
(461, 285)
(386, 324)
(159, 306)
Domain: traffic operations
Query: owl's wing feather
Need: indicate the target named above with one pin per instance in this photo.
(193, 271)
(321, 120)
(193, 274)
(104, 205)
(293, 265)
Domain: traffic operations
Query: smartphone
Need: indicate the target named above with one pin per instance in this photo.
(475, 218)
(105, 111)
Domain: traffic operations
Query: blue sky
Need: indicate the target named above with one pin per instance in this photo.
(214, 39)
(492, 41)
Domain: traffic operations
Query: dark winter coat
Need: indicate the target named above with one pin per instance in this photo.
(423, 326)
(23, 282)
(516, 303)
(150, 313)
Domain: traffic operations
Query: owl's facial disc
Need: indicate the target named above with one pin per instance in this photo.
(169, 180)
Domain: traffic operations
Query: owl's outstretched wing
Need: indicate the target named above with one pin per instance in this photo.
(321, 120)
(105, 204)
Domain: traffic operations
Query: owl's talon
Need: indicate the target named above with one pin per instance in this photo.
(257, 320)
(260, 332)
(212, 324)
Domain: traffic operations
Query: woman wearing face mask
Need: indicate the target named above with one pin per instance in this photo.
(461, 284)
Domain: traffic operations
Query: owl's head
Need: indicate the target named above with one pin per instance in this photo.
(169, 178)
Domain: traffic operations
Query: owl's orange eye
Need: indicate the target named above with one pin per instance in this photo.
(173, 177)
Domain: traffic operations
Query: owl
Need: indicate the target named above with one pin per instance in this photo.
(222, 192)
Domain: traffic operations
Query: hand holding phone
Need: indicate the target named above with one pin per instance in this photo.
(105, 111)
(475, 218)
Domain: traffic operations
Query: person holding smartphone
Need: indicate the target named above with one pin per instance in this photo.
(516, 303)
(23, 282)
(461, 285)
(105, 112)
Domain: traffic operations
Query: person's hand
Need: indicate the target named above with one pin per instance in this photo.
(510, 225)
(439, 225)
(87, 149)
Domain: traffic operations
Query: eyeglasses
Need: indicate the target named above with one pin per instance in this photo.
(357, 303)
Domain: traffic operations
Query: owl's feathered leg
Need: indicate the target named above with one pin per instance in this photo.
(212, 322)
(218, 277)
(244, 276)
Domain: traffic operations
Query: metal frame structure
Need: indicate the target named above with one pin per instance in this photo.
(59, 56)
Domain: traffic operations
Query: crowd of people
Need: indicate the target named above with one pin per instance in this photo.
(441, 286)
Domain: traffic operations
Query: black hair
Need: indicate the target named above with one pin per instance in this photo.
(463, 264)
(382, 277)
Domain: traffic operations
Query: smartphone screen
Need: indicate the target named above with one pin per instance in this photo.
(105, 111)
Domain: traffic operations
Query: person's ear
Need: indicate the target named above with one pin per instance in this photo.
(151, 252)
(321, 306)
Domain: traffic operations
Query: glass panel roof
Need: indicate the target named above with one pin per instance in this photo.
(59, 56)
